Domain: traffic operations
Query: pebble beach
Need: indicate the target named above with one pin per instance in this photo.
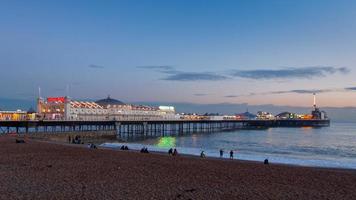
(47, 170)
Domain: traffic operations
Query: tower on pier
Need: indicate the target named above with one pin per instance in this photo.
(314, 104)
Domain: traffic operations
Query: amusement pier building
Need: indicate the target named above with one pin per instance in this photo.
(64, 108)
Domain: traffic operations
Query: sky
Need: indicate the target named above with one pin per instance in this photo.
(257, 52)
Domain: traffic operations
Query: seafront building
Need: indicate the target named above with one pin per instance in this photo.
(264, 115)
(64, 108)
(18, 115)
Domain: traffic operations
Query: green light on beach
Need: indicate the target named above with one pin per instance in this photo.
(167, 142)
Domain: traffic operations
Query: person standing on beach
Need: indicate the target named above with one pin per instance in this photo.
(175, 152)
(231, 154)
(221, 153)
(202, 154)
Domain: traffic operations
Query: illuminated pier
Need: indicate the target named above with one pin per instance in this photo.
(64, 115)
(150, 127)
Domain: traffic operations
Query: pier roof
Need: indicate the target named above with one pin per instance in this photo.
(109, 101)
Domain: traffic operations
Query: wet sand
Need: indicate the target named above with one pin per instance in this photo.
(43, 170)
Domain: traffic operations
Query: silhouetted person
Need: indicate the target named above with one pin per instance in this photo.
(231, 154)
(175, 152)
(221, 153)
(266, 161)
(170, 151)
(80, 140)
(126, 148)
(202, 154)
(122, 147)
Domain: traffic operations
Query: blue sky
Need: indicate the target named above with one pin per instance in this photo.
(256, 52)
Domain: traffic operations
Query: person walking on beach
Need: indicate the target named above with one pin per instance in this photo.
(202, 154)
(265, 161)
(175, 152)
(170, 151)
(231, 154)
(221, 153)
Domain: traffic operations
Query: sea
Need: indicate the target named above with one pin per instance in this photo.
(332, 147)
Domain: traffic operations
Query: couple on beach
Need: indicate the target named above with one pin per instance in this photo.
(231, 154)
(173, 152)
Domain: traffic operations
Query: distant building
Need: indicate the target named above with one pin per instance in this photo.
(246, 115)
(264, 115)
(317, 113)
(287, 115)
(53, 108)
(17, 115)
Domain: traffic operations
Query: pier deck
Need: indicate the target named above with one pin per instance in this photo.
(151, 127)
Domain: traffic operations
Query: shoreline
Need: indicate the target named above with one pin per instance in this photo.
(47, 170)
(224, 158)
(116, 149)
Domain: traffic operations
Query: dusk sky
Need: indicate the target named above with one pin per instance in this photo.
(255, 52)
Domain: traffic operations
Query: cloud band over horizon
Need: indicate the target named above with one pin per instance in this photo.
(174, 75)
(259, 74)
(297, 91)
(303, 72)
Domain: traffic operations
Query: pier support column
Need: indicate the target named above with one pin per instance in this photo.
(118, 128)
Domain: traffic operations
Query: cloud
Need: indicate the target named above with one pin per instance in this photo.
(288, 73)
(351, 88)
(200, 94)
(165, 69)
(158, 67)
(232, 96)
(96, 66)
(302, 91)
(194, 76)
(304, 72)
(174, 75)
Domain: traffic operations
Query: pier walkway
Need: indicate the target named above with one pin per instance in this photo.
(150, 127)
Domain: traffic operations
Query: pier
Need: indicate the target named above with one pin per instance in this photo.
(149, 127)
